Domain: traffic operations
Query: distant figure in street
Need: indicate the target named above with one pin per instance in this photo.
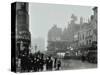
(50, 63)
(47, 63)
(83, 58)
(41, 63)
(58, 64)
(55, 63)
(34, 64)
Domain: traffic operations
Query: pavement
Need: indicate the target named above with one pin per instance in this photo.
(76, 64)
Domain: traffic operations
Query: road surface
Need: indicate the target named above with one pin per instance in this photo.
(76, 64)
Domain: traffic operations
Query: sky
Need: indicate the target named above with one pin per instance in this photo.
(43, 16)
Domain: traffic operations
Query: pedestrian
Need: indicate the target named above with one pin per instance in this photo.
(83, 58)
(50, 63)
(58, 64)
(55, 63)
(41, 64)
(35, 64)
(38, 63)
(47, 63)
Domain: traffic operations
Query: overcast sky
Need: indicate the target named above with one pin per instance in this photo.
(43, 16)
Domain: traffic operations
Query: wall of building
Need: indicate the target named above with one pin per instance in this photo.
(87, 33)
(23, 36)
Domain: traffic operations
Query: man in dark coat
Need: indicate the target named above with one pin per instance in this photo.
(47, 63)
(58, 64)
(55, 63)
(50, 63)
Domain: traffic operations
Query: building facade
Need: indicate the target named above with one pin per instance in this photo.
(23, 36)
(87, 35)
(54, 33)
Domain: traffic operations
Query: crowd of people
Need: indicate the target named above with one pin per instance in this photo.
(39, 62)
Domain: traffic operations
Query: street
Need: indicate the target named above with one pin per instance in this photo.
(76, 64)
